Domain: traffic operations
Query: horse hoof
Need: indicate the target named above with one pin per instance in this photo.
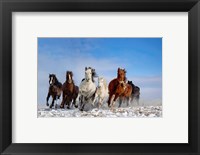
(47, 104)
(61, 106)
(68, 107)
(50, 106)
(76, 106)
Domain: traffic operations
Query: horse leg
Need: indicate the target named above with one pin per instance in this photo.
(94, 100)
(81, 101)
(137, 99)
(63, 102)
(82, 107)
(82, 104)
(52, 104)
(128, 101)
(56, 102)
(100, 102)
(59, 98)
(110, 98)
(68, 103)
(74, 100)
(114, 100)
(47, 99)
(120, 102)
(131, 98)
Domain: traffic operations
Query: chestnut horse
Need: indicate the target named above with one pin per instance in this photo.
(70, 91)
(118, 88)
(55, 90)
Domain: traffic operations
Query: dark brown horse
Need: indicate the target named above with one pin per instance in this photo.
(135, 92)
(118, 88)
(55, 90)
(70, 91)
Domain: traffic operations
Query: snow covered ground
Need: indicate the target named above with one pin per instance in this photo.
(130, 111)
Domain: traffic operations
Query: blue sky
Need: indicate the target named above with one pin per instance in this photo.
(141, 57)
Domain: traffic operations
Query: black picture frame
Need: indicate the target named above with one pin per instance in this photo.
(9, 6)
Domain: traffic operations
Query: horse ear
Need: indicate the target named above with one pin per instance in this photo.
(85, 68)
(118, 69)
(124, 70)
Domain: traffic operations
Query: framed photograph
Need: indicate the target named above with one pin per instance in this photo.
(99, 77)
(91, 91)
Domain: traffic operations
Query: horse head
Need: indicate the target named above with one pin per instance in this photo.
(52, 79)
(131, 83)
(121, 74)
(69, 76)
(90, 74)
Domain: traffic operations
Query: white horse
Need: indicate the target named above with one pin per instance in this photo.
(101, 92)
(87, 87)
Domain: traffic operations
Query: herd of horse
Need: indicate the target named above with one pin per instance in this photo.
(87, 92)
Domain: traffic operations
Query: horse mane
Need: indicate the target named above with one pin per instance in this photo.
(57, 83)
(56, 80)
(104, 83)
(94, 74)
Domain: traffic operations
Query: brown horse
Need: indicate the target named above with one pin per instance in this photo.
(118, 88)
(124, 90)
(70, 91)
(55, 90)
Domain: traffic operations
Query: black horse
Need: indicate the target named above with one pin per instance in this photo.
(55, 90)
(135, 92)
